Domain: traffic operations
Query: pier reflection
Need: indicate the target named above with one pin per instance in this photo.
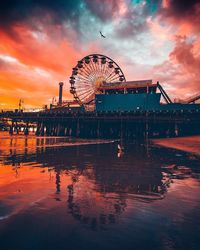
(94, 183)
(75, 194)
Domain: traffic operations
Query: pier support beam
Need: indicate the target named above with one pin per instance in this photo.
(26, 129)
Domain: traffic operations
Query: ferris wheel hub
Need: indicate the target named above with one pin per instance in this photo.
(99, 82)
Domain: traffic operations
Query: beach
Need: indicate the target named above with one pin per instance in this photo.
(188, 144)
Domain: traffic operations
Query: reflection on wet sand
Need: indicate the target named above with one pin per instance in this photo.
(83, 195)
(95, 182)
(30, 144)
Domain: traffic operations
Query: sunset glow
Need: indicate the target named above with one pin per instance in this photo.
(41, 41)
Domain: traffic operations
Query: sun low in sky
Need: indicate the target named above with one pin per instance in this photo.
(42, 40)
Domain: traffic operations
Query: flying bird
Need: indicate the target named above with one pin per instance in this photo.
(102, 34)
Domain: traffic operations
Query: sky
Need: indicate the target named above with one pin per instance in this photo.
(42, 40)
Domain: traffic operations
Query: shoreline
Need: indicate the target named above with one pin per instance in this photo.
(189, 144)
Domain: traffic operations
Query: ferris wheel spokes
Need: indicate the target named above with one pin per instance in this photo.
(89, 75)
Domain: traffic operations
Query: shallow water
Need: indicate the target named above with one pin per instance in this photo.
(91, 197)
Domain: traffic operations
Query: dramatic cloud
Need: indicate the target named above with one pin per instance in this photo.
(106, 9)
(183, 12)
(181, 8)
(184, 56)
(13, 11)
(41, 41)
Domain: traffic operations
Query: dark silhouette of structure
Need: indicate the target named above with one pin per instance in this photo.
(60, 93)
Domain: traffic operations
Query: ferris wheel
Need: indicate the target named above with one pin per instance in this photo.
(90, 74)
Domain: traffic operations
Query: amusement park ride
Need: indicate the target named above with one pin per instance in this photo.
(91, 74)
(99, 84)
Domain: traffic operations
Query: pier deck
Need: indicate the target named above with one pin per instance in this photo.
(105, 124)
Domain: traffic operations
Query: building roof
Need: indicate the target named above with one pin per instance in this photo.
(127, 85)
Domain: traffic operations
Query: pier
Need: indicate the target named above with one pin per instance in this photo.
(105, 105)
(129, 125)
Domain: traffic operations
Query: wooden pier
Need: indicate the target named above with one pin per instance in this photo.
(130, 125)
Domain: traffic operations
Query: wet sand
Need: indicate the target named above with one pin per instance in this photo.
(79, 197)
(188, 144)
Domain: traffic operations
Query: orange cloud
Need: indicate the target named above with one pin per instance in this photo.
(180, 73)
(35, 48)
(36, 64)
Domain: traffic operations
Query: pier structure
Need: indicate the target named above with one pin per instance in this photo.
(105, 105)
(129, 125)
